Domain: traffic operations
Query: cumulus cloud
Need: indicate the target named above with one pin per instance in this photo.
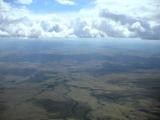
(66, 2)
(3, 34)
(101, 21)
(24, 24)
(134, 8)
(133, 27)
(4, 6)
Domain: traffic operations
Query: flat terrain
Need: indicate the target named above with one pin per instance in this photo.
(79, 80)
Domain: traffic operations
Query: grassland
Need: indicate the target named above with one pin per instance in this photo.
(79, 81)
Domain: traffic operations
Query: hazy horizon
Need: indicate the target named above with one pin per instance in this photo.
(79, 60)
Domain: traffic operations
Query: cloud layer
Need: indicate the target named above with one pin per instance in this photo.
(109, 18)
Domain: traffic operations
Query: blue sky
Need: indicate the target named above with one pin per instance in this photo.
(80, 18)
(49, 6)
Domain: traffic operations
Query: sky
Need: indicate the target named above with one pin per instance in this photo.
(80, 19)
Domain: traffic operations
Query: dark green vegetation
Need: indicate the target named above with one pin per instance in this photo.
(64, 109)
(79, 80)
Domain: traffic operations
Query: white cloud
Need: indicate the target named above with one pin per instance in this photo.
(4, 6)
(136, 8)
(66, 2)
(3, 34)
(127, 26)
(27, 2)
(93, 22)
